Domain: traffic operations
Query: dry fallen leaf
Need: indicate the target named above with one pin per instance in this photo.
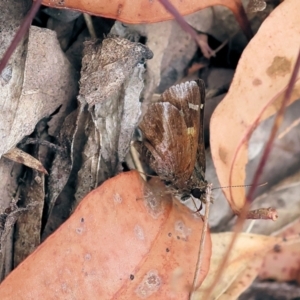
(124, 241)
(62, 164)
(110, 86)
(27, 231)
(282, 263)
(173, 48)
(26, 159)
(262, 74)
(242, 266)
(44, 61)
(8, 219)
(148, 11)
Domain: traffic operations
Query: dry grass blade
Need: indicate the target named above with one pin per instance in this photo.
(202, 241)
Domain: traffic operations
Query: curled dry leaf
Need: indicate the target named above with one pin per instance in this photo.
(48, 83)
(110, 85)
(242, 266)
(173, 48)
(262, 75)
(26, 159)
(62, 163)
(124, 241)
(8, 218)
(27, 233)
(87, 139)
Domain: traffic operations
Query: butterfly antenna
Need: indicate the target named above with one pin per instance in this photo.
(235, 186)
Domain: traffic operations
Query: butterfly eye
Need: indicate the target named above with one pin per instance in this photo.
(196, 193)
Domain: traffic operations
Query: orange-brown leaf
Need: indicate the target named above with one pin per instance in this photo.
(282, 263)
(135, 12)
(242, 266)
(116, 245)
(262, 75)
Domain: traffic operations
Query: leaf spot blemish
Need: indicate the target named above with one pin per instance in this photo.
(256, 82)
(79, 230)
(280, 66)
(119, 11)
(139, 232)
(149, 285)
(277, 248)
(182, 230)
(223, 155)
(88, 256)
(64, 287)
(117, 198)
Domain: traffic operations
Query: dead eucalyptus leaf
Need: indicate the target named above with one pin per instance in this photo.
(282, 262)
(87, 176)
(9, 174)
(173, 48)
(142, 243)
(272, 290)
(8, 219)
(63, 15)
(48, 83)
(244, 261)
(256, 5)
(111, 83)
(27, 234)
(26, 159)
(62, 163)
(150, 12)
(262, 74)
(12, 14)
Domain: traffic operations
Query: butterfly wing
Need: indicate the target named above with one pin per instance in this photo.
(200, 164)
(162, 127)
(171, 132)
(187, 98)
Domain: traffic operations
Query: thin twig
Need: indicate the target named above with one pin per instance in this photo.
(34, 141)
(202, 241)
(252, 222)
(186, 26)
(288, 129)
(90, 26)
(137, 162)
